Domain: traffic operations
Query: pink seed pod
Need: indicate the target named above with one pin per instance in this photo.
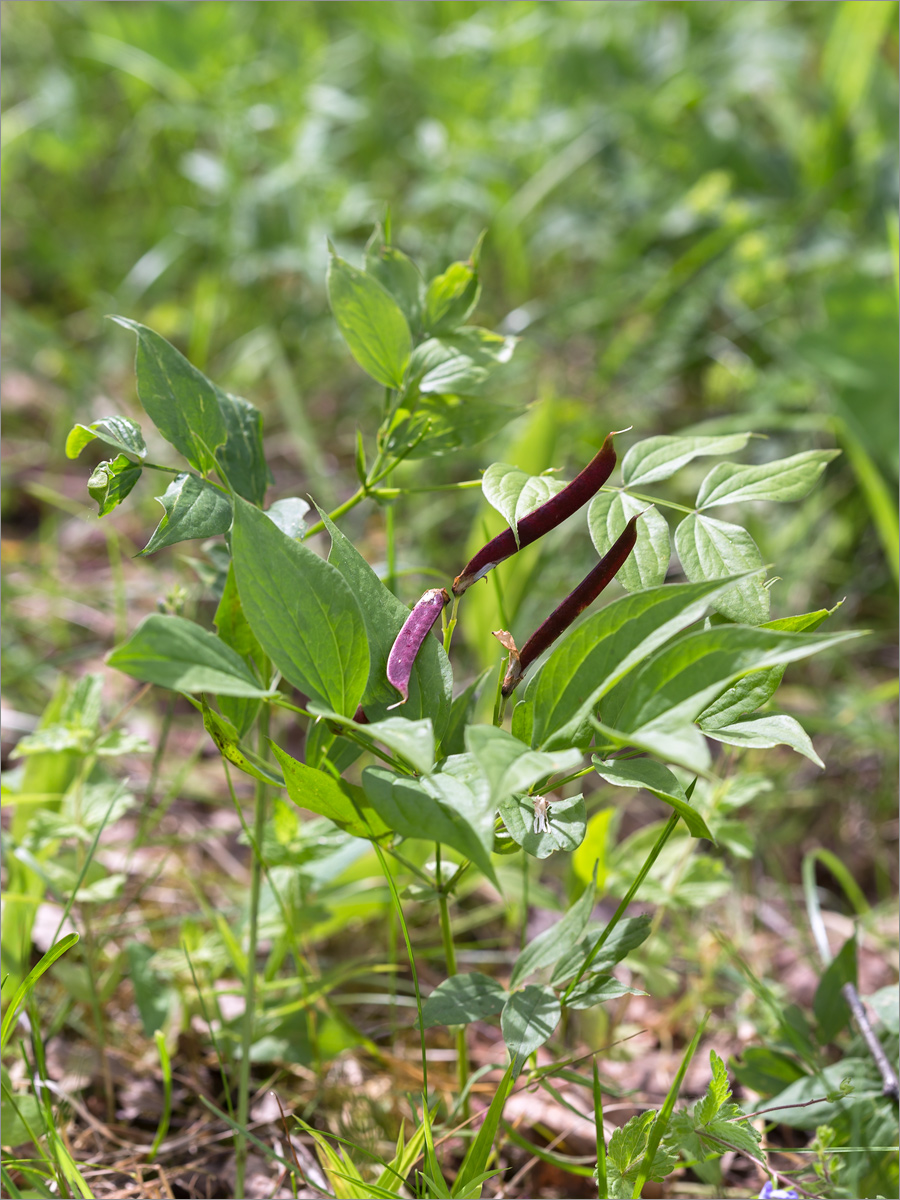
(409, 640)
(543, 519)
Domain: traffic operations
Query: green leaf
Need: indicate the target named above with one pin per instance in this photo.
(19, 1113)
(566, 820)
(437, 425)
(301, 610)
(603, 649)
(371, 321)
(770, 729)
(659, 781)
(179, 654)
(289, 515)
(452, 296)
(227, 739)
(111, 481)
(885, 1003)
(765, 1070)
(472, 1167)
(548, 947)
(431, 683)
(515, 493)
(597, 989)
(528, 1020)
(627, 936)
(462, 710)
(231, 624)
(625, 1154)
(464, 998)
(26, 987)
(647, 564)
(831, 1010)
(414, 740)
(507, 767)
(153, 998)
(121, 433)
(711, 549)
(398, 275)
(321, 793)
(460, 362)
(193, 509)
(243, 457)
(658, 458)
(404, 805)
(179, 399)
(784, 479)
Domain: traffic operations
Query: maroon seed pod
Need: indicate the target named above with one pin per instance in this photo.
(409, 640)
(533, 526)
(565, 613)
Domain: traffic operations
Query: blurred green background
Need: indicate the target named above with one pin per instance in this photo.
(691, 215)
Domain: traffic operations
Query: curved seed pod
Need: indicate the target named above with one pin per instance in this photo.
(543, 519)
(564, 614)
(409, 640)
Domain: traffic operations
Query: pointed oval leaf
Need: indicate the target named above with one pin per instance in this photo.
(464, 998)
(566, 824)
(529, 1019)
(398, 275)
(288, 515)
(648, 562)
(119, 432)
(414, 740)
(242, 457)
(597, 989)
(548, 947)
(711, 549)
(301, 610)
(515, 493)
(321, 793)
(507, 767)
(768, 729)
(659, 458)
(784, 479)
(193, 509)
(371, 321)
(657, 779)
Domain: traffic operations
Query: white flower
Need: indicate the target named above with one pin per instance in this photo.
(541, 808)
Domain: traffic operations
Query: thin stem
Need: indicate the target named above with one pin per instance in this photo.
(649, 499)
(259, 830)
(500, 699)
(390, 581)
(462, 1049)
(412, 962)
(356, 498)
(450, 624)
(392, 492)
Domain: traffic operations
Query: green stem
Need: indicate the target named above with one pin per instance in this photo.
(500, 699)
(390, 581)
(259, 830)
(626, 900)
(412, 962)
(450, 624)
(358, 496)
(392, 493)
(462, 1049)
(649, 499)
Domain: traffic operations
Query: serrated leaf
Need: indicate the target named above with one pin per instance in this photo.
(193, 509)
(302, 611)
(658, 458)
(761, 732)
(548, 947)
(625, 1154)
(711, 549)
(566, 821)
(647, 564)
(182, 403)
(659, 781)
(371, 321)
(783, 479)
(529, 1019)
(179, 654)
(111, 482)
(717, 1091)
(464, 998)
(121, 433)
(288, 515)
(514, 493)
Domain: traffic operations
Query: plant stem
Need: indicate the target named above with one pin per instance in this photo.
(450, 625)
(358, 495)
(390, 581)
(649, 499)
(259, 830)
(462, 1049)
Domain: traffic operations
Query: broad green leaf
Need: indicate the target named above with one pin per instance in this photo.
(289, 515)
(462, 788)
(121, 433)
(597, 989)
(459, 362)
(406, 807)
(627, 936)
(784, 479)
(831, 1010)
(885, 1003)
(658, 458)
(515, 493)
(452, 296)
(414, 740)
(507, 767)
(550, 946)
(19, 1114)
(604, 648)
(182, 403)
(111, 481)
(647, 564)
(398, 275)
(193, 509)
(566, 819)
(179, 654)
(437, 425)
(769, 729)
(227, 739)
(431, 683)
(528, 1020)
(657, 779)
(675, 685)
(321, 793)
(711, 549)
(371, 321)
(625, 1157)
(242, 457)
(461, 712)
(301, 610)
(231, 624)
(765, 1070)
(464, 998)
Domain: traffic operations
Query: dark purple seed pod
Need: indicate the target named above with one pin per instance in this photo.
(578, 600)
(533, 526)
(409, 640)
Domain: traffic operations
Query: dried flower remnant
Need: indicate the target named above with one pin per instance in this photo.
(541, 809)
(576, 602)
(533, 526)
(410, 639)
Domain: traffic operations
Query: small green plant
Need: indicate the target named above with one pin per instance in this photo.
(639, 688)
